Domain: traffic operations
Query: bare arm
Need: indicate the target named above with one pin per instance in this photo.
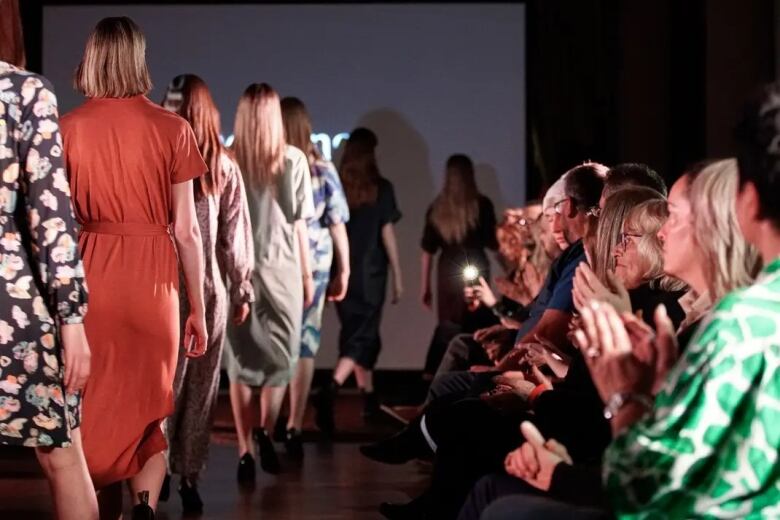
(425, 282)
(391, 246)
(302, 233)
(186, 233)
(340, 284)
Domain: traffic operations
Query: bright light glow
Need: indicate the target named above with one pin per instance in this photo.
(470, 273)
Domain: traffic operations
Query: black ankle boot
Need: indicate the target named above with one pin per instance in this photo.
(190, 498)
(371, 407)
(165, 490)
(246, 469)
(404, 446)
(269, 461)
(293, 441)
(323, 406)
(142, 511)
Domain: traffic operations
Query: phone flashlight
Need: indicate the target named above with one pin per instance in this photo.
(470, 275)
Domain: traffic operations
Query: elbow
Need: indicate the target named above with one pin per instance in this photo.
(187, 235)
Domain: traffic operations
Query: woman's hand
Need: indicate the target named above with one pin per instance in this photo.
(398, 291)
(195, 335)
(614, 366)
(515, 382)
(427, 298)
(337, 288)
(536, 459)
(240, 313)
(588, 288)
(483, 293)
(76, 357)
(308, 290)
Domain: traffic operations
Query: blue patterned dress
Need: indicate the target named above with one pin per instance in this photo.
(330, 208)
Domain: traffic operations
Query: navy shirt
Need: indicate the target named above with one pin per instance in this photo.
(556, 291)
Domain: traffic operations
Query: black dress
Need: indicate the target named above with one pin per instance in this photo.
(453, 257)
(360, 312)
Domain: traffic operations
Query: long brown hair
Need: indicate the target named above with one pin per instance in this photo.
(358, 169)
(114, 61)
(455, 211)
(259, 142)
(297, 126)
(189, 96)
(11, 40)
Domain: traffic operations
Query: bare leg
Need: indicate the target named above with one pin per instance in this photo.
(110, 502)
(300, 386)
(365, 378)
(149, 479)
(343, 370)
(271, 398)
(71, 487)
(241, 402)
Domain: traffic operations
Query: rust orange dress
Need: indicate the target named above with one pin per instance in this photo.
(123, 156)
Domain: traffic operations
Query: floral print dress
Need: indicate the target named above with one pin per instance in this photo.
(39, 263)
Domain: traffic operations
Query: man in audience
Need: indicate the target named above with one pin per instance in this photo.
(631, 174)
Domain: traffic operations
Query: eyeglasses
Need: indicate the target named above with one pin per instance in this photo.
(522, 221)
(558, 206)
(625, 239)
(594, 212)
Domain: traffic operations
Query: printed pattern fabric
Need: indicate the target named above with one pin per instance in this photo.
(330, 208)
(39, 263)
(710, 447)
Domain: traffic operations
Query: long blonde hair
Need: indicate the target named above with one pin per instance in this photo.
(729, 261)
(455, 211)
(114, 61)
(189, 96)
(358, 169)
(259, 142)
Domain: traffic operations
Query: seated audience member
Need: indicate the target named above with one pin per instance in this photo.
(628, 175)
(703, 247)
(458, 461)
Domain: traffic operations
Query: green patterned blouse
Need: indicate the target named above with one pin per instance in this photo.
(710, 447)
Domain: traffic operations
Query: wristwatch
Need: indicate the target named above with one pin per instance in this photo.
(619, 399)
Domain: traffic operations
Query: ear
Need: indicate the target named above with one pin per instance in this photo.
(748, 207)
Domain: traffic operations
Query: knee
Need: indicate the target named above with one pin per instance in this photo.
(54, 460)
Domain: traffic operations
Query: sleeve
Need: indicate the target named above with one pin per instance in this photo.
(487, 223)
(336, 207)
(235, 247)
(561, 298)
(187, 162)
(304, 199)
(710, 424)
(389, 213)
(431, 240)
(47, 203)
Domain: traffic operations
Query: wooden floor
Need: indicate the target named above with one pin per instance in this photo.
(333, 482)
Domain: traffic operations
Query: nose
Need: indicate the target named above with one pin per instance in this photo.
(662, 232)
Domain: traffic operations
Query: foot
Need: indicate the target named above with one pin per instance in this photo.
(190, 498)
(414, 510)
(323, 407)
(142, 511)
(246, 469)
(370, 405)
(401, 448)
(293, 441)
(269, 461)
(165, 490)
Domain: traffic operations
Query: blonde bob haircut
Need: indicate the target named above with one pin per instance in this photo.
(114, 61)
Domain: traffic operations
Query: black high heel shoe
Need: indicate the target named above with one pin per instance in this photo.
(293, 441)
(142, 511)
(190, 498)
(269, 461)
(246, 470)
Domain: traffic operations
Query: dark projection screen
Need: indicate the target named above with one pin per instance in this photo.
(430, 79)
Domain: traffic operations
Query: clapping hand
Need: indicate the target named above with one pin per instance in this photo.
(588, 288)
(536, 459)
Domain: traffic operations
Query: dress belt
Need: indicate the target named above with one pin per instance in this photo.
(125, 229)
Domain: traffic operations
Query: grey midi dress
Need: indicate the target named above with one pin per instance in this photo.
(265, 349)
